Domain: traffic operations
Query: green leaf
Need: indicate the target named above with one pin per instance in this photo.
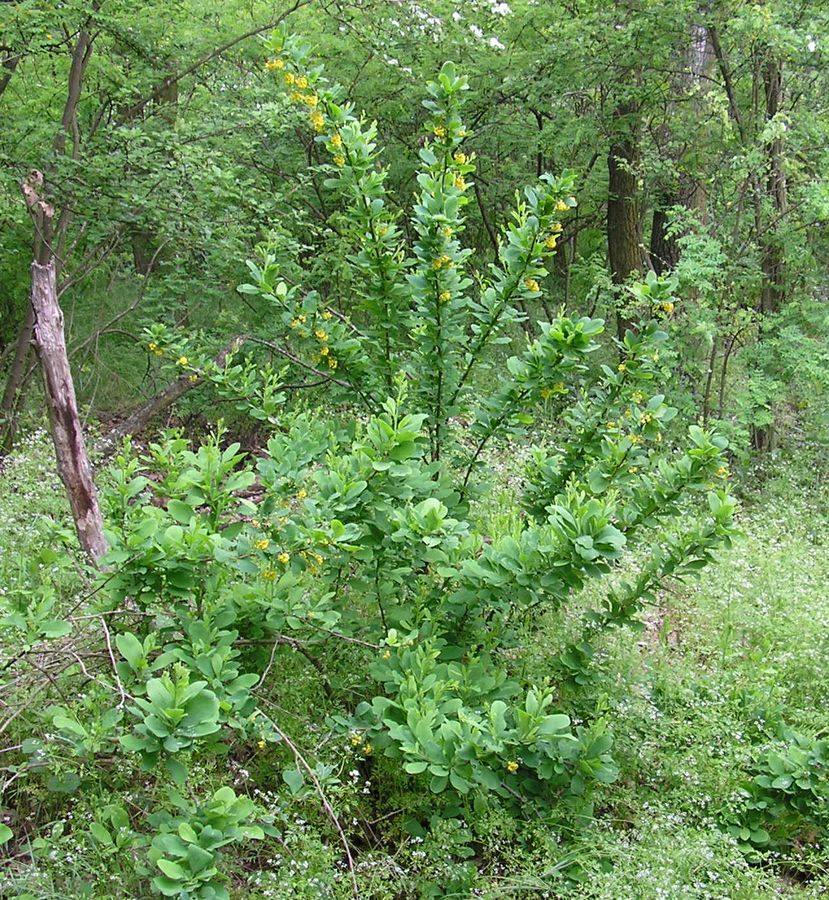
(177, 770)
(181, 512)
(100, 833)
(293, 778)
(63, 784)
(53, 628)
(172, 869)
(6, 834)
(130, 648)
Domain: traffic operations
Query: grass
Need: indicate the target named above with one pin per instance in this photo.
(694, 698)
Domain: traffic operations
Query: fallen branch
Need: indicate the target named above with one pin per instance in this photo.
(160, 401)
(165, 398)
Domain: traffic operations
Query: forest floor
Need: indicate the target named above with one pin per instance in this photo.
(694, 698)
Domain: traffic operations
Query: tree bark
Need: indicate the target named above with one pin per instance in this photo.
(67, 434)
(773, 290)
(8, 407)
(624, 237)
(686, 189)
(772, 295)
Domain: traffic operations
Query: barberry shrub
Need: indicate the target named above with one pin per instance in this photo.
(364, 531)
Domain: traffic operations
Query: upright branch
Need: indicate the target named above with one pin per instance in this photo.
(50, 344)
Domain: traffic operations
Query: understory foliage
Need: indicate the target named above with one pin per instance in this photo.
(354, 541)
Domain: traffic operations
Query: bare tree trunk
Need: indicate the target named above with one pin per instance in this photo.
(67, 434)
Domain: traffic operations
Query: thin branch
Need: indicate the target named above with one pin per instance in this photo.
(326, 804)
(167, 83)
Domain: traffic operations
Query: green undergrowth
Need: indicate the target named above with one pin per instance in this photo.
(723, 673)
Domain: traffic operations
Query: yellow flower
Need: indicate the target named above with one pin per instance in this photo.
(332, 363)
(551, 242)
(439, 131)
(632, 470)
(556, 228)
(356, 740)
(284, 558)
(337, 141)
(368, 750)
(158, 352)
(460, 184)
(668, 307)
(532, 285)
(444, 296)
(268, 574)
(311, 100)
(260, 745)
(302, 82)
(638, 396)
(317, 120)
(441, 262)
(645, 418)
(446, 231)
(182, 360)
(659, 439)
(622, 367)
(152, 346)
(546, 393)
(301, 494)
(321, 335)
(273, 65)
(289, 78)
(262, 544)
(326, 315)
(193, 379)
(561, 206)
(386, 655)
(324, 351)
(460, 158)
(611, 423)
(339, 160)
(722, 472)
(634, 439)
(512, 766)
(255, 523)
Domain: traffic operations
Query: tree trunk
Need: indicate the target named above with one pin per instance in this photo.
(686, 190)
(8, 407)
(624, 238)
(772, 295)
(664, 249)
(773, 291)
(70, 450)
